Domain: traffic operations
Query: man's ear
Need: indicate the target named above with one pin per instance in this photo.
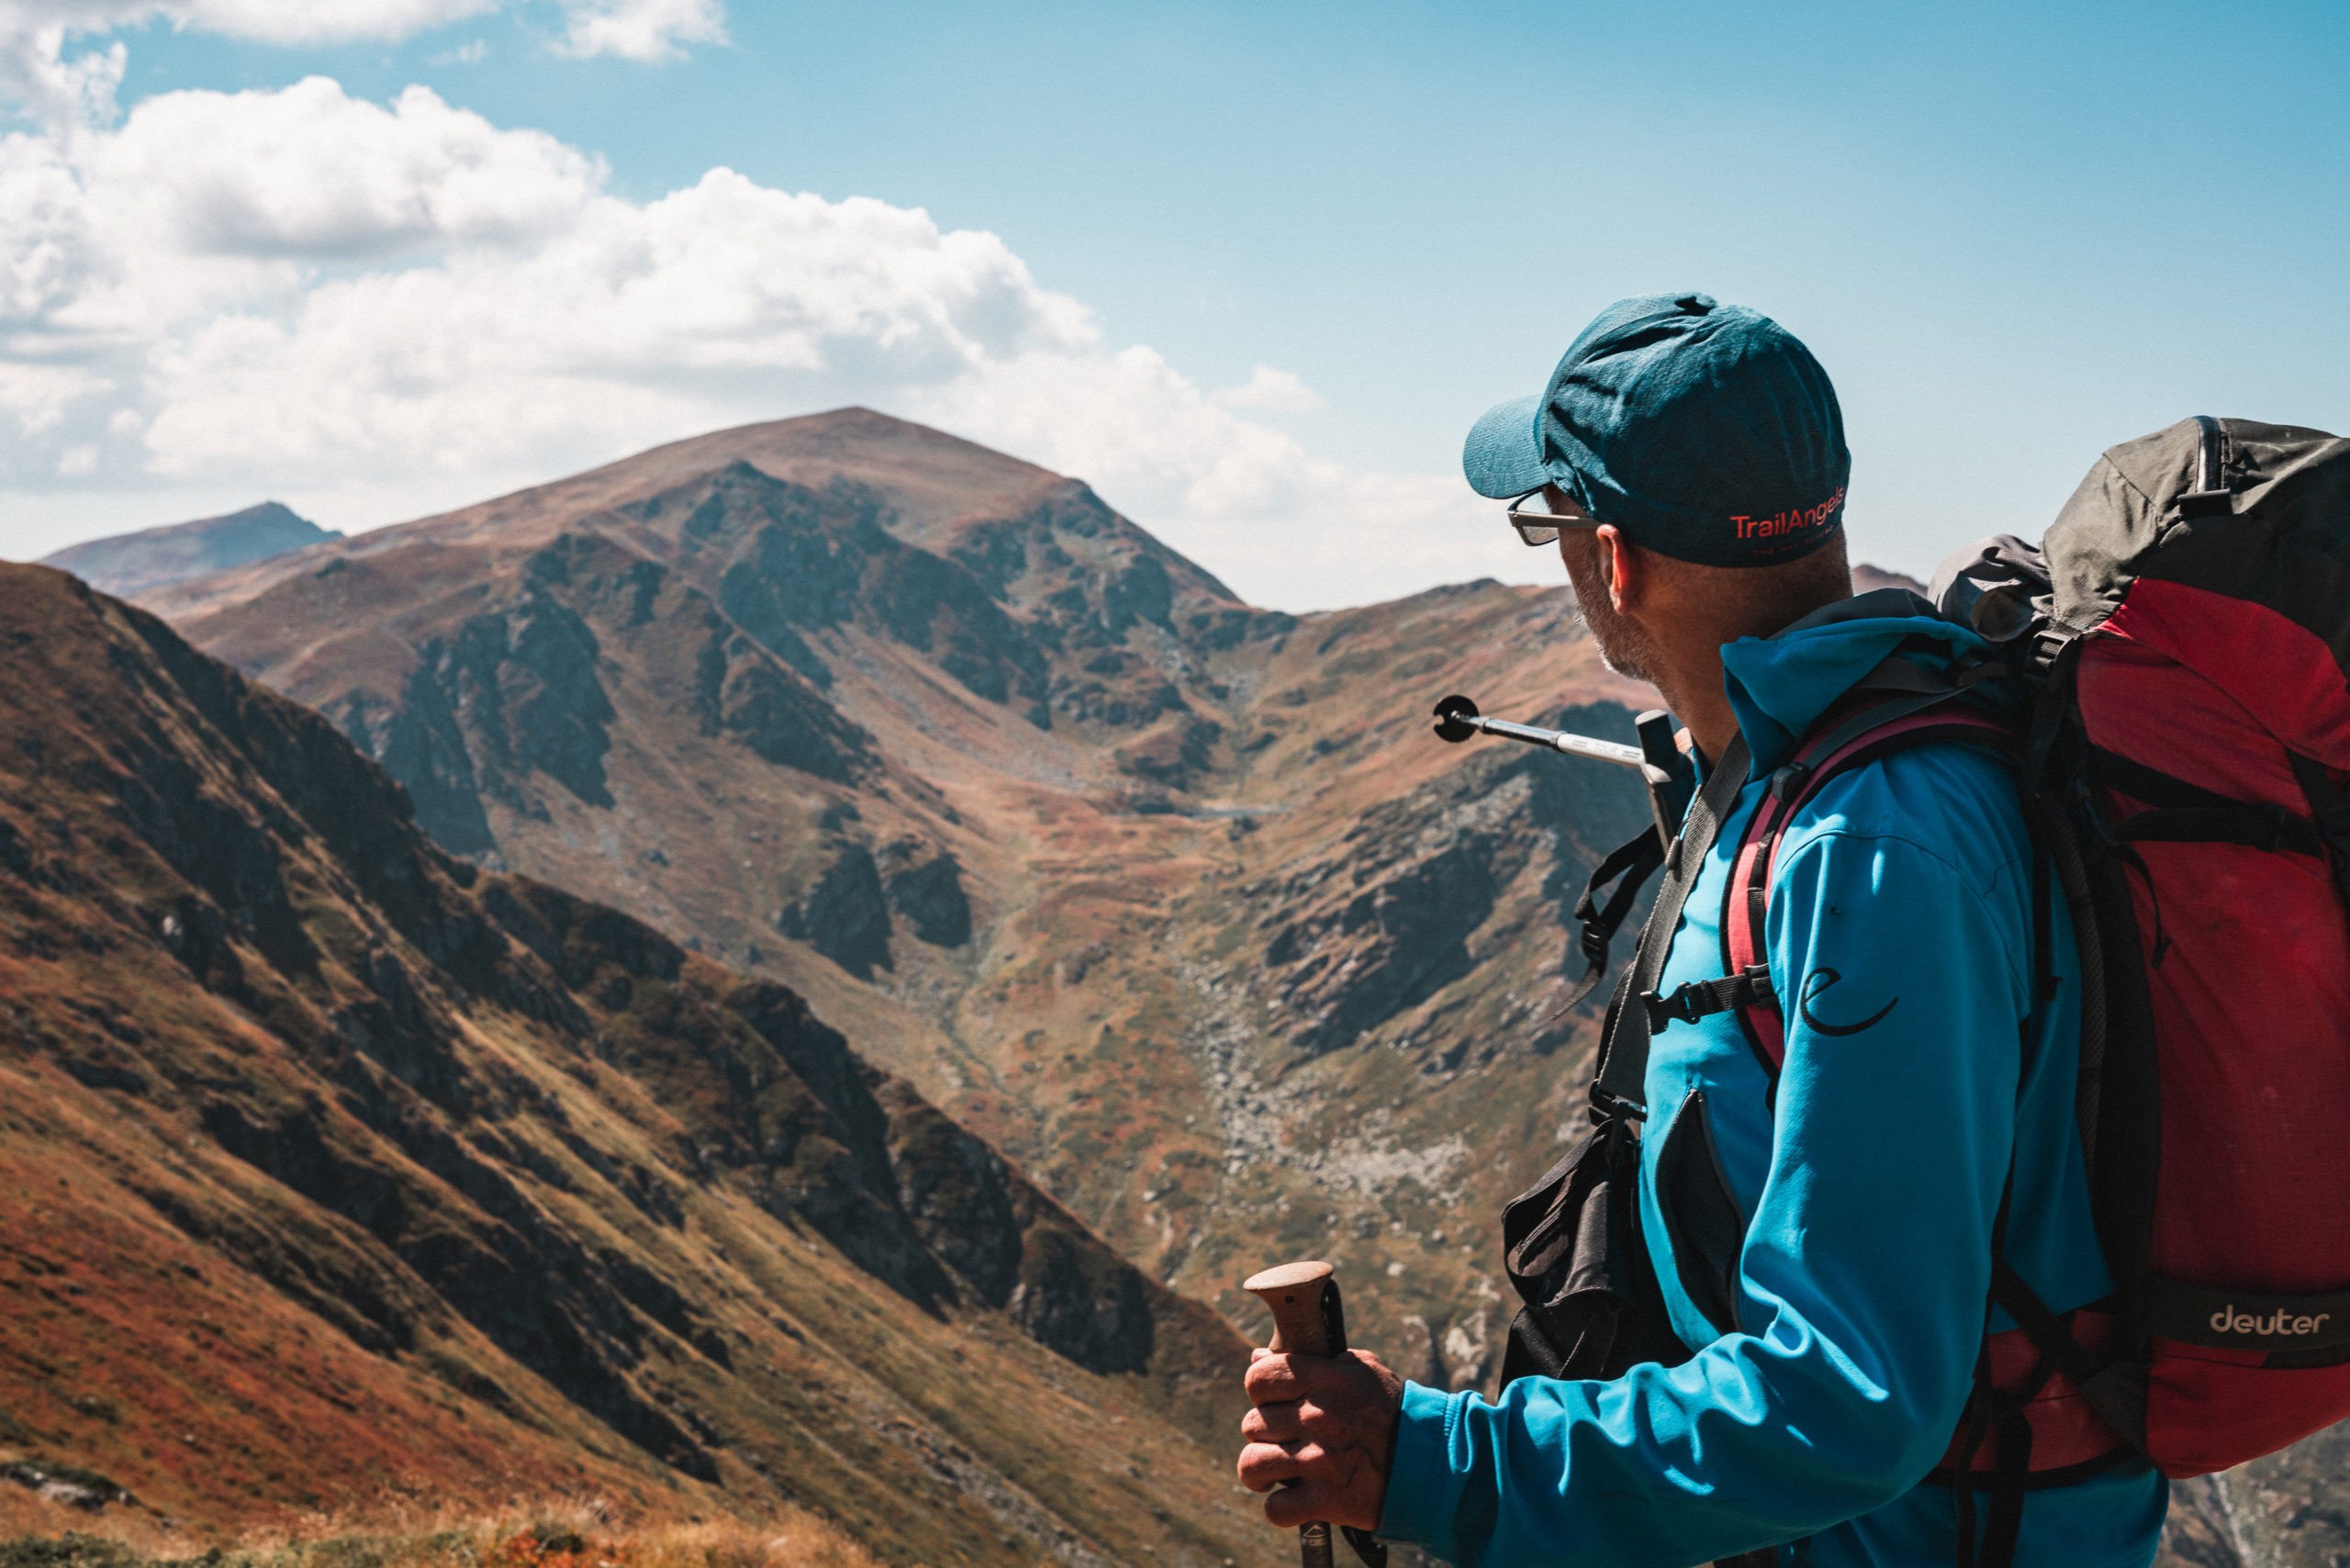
(1620, 566)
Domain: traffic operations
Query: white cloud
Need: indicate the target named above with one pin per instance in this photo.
(37, 397)
(37, 71)
(307, 172)
(381, 311)
(264, 22)
(320, 21)
(648, 30)
(1251, 503)
(1274, 392)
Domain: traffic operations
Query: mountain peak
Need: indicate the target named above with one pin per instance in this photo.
(930, 488)
(130, 563)
(930, 477)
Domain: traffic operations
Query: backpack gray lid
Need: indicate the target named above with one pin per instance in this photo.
(2256, 511)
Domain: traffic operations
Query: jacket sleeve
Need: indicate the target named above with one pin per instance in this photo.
(1864, 1270)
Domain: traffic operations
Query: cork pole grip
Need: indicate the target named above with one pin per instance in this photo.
(1295, 1293)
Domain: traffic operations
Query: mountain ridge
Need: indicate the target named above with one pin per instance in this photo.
(935, 480)
(946, 681)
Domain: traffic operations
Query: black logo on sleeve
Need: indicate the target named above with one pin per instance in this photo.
(1816, 983)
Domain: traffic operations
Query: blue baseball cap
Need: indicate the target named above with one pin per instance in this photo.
(1704, 431)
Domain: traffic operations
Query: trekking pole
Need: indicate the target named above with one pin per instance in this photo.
(1309, 1320)
(1671, 779)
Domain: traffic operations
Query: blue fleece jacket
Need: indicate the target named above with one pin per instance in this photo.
(1917, 1061)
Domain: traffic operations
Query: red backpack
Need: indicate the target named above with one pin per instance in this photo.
(2185, 627)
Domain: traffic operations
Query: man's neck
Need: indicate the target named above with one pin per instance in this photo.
(1688, 672)
(1692, 689)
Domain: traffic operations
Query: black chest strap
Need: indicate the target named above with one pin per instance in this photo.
(1621, 1085)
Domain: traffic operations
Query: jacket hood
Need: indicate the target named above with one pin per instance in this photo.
(1779, 686)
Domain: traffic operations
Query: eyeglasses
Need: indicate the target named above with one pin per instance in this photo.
(1539, 527)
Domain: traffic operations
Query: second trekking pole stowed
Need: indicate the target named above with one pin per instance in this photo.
(1663, 766)
(1671, 779)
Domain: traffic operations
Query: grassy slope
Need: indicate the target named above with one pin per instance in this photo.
(347, 1173)
(39, 1533)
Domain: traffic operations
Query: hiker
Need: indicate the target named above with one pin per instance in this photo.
(1811, 1374)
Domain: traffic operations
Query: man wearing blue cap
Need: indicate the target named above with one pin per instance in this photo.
(1827, 1385)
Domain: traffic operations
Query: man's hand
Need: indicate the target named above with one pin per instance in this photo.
(1327, 1422)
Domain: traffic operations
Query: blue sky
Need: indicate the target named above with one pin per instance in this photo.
(2013, 234)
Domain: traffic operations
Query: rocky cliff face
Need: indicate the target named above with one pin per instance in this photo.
(343, 1161)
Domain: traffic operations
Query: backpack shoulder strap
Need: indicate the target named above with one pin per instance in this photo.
(1619, 1087)
(1854, 737)
(1891, 706)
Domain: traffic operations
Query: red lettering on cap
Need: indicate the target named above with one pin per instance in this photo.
(1750, 527)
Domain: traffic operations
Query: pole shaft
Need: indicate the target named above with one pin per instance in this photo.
(1559, 740)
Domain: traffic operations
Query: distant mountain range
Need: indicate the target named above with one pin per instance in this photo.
(336, 1164)
(128, 564)
(1174, 900)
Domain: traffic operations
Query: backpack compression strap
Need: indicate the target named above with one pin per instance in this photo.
(2188, 814)
(1631, 861)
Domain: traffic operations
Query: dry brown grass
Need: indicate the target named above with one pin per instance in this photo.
(566, 1533)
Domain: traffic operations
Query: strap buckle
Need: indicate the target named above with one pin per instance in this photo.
(2046, 646)
(1684, 1006)
(1702, 999)
(1607, 1105)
